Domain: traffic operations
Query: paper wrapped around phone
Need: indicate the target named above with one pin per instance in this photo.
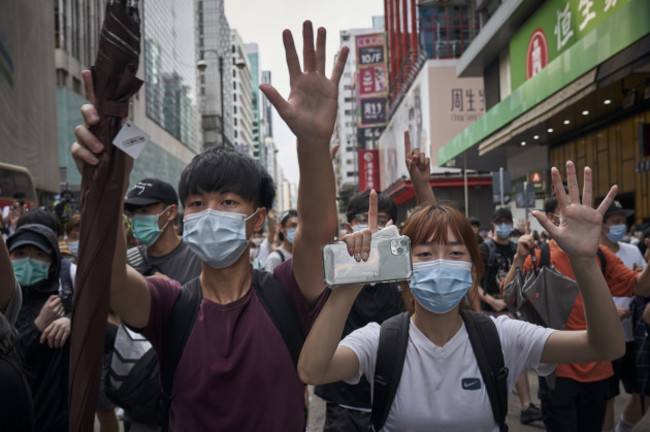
(389, 261)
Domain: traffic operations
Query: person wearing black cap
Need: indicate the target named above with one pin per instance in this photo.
(498, 254)
(614, 228)
(152, 207)
(286, 232)
(42, 323)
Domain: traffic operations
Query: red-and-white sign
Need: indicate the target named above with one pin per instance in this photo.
(536, 177)
(537, 53)
(368, 170)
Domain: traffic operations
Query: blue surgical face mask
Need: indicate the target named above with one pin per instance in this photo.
(503, 230)
(30, 271)
(145, 227)
(438, 286)
(218, 238)
(617, 232)
(291, 232)
(73, 247)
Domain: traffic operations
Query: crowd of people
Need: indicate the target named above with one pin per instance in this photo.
(225, 310)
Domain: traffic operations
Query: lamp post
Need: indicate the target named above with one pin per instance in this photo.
(202, 65)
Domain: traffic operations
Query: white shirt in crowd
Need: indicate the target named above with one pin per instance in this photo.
(441, 387)
(631, 256)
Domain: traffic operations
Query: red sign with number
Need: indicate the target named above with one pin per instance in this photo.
(368, 169)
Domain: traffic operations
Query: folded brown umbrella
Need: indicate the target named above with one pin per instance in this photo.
(114, 83)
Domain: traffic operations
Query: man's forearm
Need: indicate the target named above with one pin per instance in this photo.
(423, 193)
(643, 283)
(7, 282)
(517, 262)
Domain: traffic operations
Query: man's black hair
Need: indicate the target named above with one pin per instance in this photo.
(40, 216)
(360, 203)
(286, 215)
(551, 205)
(226, 170)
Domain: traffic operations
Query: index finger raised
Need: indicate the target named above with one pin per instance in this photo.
(372, 211)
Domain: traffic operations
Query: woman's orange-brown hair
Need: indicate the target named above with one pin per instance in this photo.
(430, 224)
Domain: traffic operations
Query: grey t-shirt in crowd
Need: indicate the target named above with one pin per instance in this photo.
(181, 264)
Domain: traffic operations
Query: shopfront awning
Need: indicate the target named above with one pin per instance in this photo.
(402, 190)
(568, 78)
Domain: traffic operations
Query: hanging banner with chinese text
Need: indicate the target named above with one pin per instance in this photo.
(368, 170)
(372, 80)
(553, 28)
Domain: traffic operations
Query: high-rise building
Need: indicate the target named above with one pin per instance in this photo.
(242, 106)
(214, 48)
(166, 105)
(28, 122)
(345, 161)
(267, 106)
(254, 61)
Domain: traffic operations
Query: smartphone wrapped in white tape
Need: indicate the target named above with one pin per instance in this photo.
(389, 261)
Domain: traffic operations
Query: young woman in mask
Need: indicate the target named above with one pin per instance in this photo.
(446, 264)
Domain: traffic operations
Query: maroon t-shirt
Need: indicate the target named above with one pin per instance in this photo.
(235, 373)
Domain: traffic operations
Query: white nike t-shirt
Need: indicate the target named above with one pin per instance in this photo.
(441, 388)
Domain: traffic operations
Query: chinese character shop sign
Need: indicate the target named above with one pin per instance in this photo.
(372, 80)
(368, 169)
(551, 30)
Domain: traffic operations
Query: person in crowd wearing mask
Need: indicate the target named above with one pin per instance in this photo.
(256, 241)
(266, 246)
(236, 372)
(72, 230)
(439, 358)
(497, 254)
(614, 229)
(579, 398)
(286, 233)
(152, 206)
(348, 406)
(68, 269)
(42, 323)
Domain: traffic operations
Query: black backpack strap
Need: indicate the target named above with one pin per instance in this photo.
(281, 255)
(393, 341)
(486, 344)
(177, 331)
(136, 258)
(280, 308)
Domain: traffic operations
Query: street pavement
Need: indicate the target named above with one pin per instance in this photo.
(317, 411)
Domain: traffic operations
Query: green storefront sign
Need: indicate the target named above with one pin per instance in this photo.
(551, 30)
(629, 22)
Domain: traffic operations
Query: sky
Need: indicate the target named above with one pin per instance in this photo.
(262, 21)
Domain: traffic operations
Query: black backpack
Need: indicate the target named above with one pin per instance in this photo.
(141, 388)
(393, 341)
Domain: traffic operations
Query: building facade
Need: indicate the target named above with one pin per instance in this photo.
(252, 50)
(166, 105)
(214, 51)
(563, 82)
(28, 123)
(242, 106)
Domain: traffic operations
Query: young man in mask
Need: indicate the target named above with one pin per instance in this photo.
(235, 372)
(152, 207)
(42, 323)
(286, 234)
(498, 254)
(614, 229)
